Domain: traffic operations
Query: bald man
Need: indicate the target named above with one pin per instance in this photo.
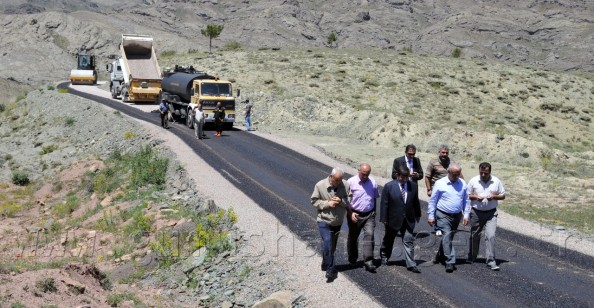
(361, 216)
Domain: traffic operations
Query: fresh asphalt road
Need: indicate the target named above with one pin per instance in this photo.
(533, 273)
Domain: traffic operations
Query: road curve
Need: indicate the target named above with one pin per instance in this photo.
(534, 273)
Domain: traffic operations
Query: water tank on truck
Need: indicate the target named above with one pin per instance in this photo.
(184, 87)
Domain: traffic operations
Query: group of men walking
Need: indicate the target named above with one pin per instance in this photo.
(451, 200)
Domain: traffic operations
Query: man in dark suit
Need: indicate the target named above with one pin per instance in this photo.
(409, 160)
(400, 210)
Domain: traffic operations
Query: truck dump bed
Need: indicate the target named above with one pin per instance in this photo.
(138, 51)
(142, 72)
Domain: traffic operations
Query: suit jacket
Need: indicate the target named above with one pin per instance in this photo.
(416, 166)
(394, 211)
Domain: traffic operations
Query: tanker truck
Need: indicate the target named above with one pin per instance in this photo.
(136, 75)
(183, 88)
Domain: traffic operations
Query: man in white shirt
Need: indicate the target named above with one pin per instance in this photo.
(484, 191)
(198, 115)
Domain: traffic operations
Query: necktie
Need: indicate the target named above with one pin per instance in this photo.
(402, 193)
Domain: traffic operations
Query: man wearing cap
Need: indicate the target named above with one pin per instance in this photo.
(163, 109)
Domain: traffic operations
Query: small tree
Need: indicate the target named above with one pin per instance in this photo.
(457, 52)
(331, 39)
(212, 31)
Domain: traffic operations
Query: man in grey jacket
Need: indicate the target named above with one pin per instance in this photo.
(331, 197)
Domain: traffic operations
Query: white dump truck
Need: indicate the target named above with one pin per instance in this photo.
(136, 75)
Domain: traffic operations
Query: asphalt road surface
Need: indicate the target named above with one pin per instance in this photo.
(533, 273)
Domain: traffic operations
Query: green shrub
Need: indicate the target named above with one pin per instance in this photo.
(46, 285)
(168, 53)
(10, 208)
(69, 121)
(48, 149)
(51, 87)
(62, 91)
(21, 97)
(129, 135)
(147, 168)
(331, 39)
(232, 46)
(211, 232)
(115, 299)
(20, 178)
(456, 53)
(67, 207)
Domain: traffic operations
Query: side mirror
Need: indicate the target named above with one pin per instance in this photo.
(108, 67)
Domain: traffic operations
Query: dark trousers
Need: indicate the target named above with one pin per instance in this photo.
(164, 119)
(448, 223)
(408, 241)
(329, 240)
(367, 224)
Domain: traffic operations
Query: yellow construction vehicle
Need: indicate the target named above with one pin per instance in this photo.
(85, 72)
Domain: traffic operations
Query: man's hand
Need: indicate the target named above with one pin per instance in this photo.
(414, 175)
(354, 217)
(465, 221)
(334, 201)
(428, 192)
(431, 222)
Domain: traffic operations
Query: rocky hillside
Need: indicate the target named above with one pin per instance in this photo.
(40, 37)
(97, 213)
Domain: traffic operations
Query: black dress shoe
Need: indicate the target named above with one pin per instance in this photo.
(449, 268)
(414, 269)
(331, 276)
(370, 267)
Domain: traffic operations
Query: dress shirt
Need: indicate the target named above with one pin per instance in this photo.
(403, 188)
(449, 198)
(364, 194)
(478, 187)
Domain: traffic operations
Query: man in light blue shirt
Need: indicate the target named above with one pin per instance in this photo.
(449, 202)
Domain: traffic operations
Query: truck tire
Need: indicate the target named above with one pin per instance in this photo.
(228, 126)
(124, 95)
(189, 119)
(114, 95)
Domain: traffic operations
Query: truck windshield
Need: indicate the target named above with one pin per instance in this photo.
(216, 89)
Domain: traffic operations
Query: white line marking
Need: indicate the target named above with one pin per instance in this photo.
(229, 175)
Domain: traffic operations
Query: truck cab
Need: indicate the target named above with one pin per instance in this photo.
(116, 77)
(184, 87)
(208, 92)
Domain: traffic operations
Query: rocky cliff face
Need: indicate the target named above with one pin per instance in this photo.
(40, 37)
